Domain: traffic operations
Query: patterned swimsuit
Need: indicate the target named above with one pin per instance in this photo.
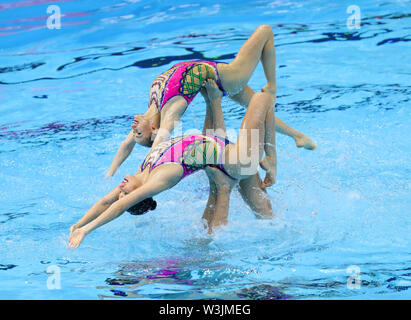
(182, 79)
(192, 152)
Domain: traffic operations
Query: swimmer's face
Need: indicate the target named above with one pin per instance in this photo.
(129, 184)
(142, 130)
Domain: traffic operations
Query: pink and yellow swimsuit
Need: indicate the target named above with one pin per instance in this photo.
(182, 79)
(192, 152)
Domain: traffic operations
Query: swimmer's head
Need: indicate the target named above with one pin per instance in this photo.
(144, 130)
(131, 183)
(143, 207)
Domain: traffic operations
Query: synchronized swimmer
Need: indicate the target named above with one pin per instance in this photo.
(170, 160)
(173, 90)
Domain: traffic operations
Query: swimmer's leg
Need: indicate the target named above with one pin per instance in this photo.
(256, 197)
(301, 140)
(256, 136)
(219, 200)
(211, 203)
(259, 47)
(220, 217)
(170, 115)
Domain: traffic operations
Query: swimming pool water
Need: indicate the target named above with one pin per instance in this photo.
(67, 98)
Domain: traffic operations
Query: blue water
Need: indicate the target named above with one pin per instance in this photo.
(67, 98)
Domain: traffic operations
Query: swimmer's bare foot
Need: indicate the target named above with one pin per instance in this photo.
(304, 142)
(269, 166)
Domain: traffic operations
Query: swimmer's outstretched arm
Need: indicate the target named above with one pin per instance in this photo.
(162, 180)
(170, 117)
(98, 208)
(122, 153)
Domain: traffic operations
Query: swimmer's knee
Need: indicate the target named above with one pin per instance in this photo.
(266, 29)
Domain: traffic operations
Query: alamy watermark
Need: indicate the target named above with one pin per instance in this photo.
(354, 280)
(54, 280)
(354, 20)
(54, 20)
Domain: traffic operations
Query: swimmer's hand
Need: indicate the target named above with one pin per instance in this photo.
(270, 167)
(73, 227)
(213, 92)
(76, 238)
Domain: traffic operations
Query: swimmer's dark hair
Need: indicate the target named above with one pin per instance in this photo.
(143, 207)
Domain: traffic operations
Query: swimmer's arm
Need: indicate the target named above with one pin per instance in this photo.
(218, 118)
(123, 152)
(117, 208)
(215, 96)
(98, 208)
(169, 117)
(208, 121)
(163, 179)
(220, 191)
(220, 216)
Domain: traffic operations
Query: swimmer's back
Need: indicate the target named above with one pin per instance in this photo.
(192, 152)
(182, 79)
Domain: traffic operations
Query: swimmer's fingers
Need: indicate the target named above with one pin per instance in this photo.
(212, 89)
(76, 238)
(269, 180)
(73, 244)
(269, 166)
(72, 229)
(203, 92)
(210, 84)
